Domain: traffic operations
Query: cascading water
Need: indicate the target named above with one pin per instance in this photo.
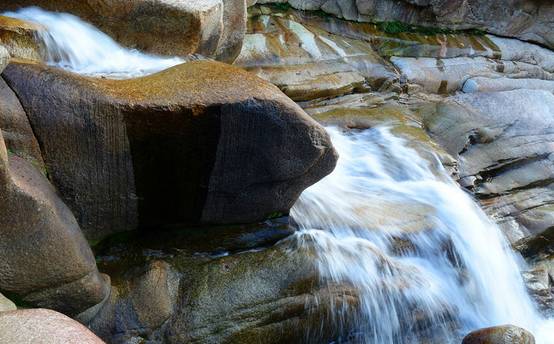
(73, 44)
(420, 252)
(425, 260)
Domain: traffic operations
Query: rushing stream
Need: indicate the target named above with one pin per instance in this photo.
(423, 256)
(421, 253)
(73, 44)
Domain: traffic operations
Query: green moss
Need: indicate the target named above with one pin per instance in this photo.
(396, 27)
(281, 7)
(275, 215)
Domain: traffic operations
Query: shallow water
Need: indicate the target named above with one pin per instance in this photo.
(71, 43)
(426, 259)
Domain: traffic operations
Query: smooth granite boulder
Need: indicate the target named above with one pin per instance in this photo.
(45, 260)
(202, 142)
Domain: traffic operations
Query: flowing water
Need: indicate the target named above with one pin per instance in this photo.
(424, 258)
(422, 254)
(75, 45)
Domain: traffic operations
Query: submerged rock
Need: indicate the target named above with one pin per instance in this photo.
(42, 326)
(202, 142)
(213, 28)
(507, 334)
(44, 259)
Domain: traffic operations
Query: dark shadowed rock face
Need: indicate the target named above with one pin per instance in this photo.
(44, 258)
(202, 142)
(43, 326)
(507, 334)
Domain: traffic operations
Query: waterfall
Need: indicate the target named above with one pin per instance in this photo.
(75, 45)
(422, 255)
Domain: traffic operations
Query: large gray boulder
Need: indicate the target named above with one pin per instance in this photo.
(45, 260)
(202, 142)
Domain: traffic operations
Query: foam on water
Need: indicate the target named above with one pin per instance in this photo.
(456, 272)
(73, 44)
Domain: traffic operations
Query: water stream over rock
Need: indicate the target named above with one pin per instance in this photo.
(73, 44)
(423, 255)
(428, 264)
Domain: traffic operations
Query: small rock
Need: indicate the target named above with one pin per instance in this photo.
(506, 334)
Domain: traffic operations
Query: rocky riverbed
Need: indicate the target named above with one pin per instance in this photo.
(152, 205)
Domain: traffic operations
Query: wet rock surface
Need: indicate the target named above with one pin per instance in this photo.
(307, 62)
(254, 285)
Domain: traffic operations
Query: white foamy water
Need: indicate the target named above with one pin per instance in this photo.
(75, 45)
(425, 258)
